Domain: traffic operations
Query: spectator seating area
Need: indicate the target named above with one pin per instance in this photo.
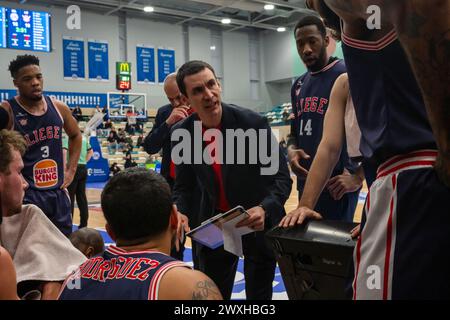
(138, 154)
(279, 114)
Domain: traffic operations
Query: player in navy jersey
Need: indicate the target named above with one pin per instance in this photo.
(41, 120)
(339, 126)
(310, 96)
(142, 220)
(402, 251)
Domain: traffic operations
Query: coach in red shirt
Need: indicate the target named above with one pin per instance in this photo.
(228, 183)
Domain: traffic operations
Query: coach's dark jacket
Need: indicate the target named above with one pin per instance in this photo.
(159, 138)
(243, 183)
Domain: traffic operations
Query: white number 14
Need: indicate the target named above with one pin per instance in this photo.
(307, 129)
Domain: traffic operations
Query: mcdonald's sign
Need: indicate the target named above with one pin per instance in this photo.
(123, 75)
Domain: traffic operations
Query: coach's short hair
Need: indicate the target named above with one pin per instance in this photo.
(190, 68)
(137, 204)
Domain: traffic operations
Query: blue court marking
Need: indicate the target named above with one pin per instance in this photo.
(95, 185)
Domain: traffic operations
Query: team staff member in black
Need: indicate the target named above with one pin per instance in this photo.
(166, 117)
(159, 136)
(224, 186)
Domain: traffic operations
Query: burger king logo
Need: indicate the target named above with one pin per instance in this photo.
(45, 173)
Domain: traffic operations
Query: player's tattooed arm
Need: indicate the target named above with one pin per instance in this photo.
(206, 289)
(424, 31)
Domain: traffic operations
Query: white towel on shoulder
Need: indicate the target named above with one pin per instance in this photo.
(39, 250)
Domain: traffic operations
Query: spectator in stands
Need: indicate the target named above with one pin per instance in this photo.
(77, 113)
(88, 241)
(127, 158)
(112, 141)
(128, 142)
(130, 128)
(139, 127)
(129, 162)
(114, 169)
(108, 124)
(140, 140)
(105, 128)
(121, 139)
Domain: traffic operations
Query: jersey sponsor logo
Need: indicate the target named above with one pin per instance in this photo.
(23, 122)
(22, 119)
(45, 173)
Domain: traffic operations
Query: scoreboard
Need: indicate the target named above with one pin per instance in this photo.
(25, 30)
(2, 27)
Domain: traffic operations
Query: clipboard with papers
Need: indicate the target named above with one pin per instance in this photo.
(221, 228)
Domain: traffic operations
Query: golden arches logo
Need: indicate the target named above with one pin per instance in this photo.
(124, 67)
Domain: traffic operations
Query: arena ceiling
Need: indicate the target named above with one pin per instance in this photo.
(242, 13)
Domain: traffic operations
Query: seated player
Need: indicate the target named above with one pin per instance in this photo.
(142, 220)
(88, 241)
(37, 264)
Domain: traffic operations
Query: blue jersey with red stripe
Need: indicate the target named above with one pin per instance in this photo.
(119, 274)
(310, 95)
(43, 159)
(388, 102)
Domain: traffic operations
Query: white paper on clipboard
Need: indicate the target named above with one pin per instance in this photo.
(232, 236)
(220, 230)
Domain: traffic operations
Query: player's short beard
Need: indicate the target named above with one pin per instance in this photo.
(36, 98)
(321, 61)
